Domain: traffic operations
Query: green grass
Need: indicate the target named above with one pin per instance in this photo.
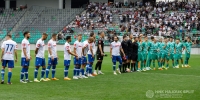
(129, 86)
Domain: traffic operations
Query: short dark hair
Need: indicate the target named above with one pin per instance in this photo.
(68, 37)
(124, 36)
(177, 39)
(45, 34)
(26, 33)
(91, 34)
(9, 35)
(54, 34)
(152, 37)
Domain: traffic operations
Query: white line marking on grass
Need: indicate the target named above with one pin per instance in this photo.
(173, 74)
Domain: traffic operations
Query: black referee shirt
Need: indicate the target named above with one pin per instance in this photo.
(124, 45)
(100, 42)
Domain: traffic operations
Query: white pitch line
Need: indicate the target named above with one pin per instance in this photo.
(172, 74)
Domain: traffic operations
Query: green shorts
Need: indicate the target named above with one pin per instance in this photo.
(144, 56)
(177, 56)
(165, 56)
(159, 55)
(140, 57)
(154, 56)
(187, 55)
(171, 56)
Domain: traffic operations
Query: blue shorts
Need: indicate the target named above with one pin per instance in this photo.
(24, 63)
(40, 62)
(52, 62)
(90, 58)
(9, 62)
(77, 61)
(117, 58)
(84, 60)
(66, 62)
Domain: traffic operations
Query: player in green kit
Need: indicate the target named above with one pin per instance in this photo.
(140, 55)
(165, 54)
(154, 52)
(188, 46)
(150, 51)
(160, 51)
(145, 51)
(179, 47)
(172, 47)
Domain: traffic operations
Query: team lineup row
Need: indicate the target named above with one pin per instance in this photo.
(131, 54)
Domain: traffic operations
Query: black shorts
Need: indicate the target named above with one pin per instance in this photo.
(99, 57)
(134, 57)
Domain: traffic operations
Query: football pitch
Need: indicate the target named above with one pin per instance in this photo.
(177, 84)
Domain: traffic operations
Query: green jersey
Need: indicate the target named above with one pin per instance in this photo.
(145, 46)
(179, 47)
(159, 46)
(154, 47)
(166, 48)
(172, 47)
(188, 46)
(139, 47)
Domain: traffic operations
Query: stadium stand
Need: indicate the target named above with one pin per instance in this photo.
(178, 19)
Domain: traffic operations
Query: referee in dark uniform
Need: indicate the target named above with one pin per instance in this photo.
(100, 53)
(130, 49)
(125, 47)
(134, 54)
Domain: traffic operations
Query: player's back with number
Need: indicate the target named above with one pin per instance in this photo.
(9, 47)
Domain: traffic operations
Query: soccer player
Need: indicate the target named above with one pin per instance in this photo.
(145, 51)
(150, 52)
(77, 60)
(9, 49)
(125, 47)
(139, 64)
(40, 59)
(188, 46)
(154, 52)
(172, 47)
(67, 57)
(165, 54)
(91, 55)
(178, 52)
(53, 57)
(134, 53)
(130, 53)
(87, 49)
(115, 49)
(25, 57)
(100, 54)
(159, 53)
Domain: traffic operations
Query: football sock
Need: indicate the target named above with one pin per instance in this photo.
(9, 76)
(53, 71)
(128, 66)
(78, 70)
(26, 73)
(132, 67)
(2, 74)
(149, 63)
(87, 69)
(154, 64)
(173, 63)
(82, 71)
(114, 66)
(97, 65)
(167, 65)
(42, 72)
(100, 63)
(36, 72)
(47, 71)
(66, 71)
(90, 68)
(75, 71)
(142, 65)
(136, 66)
(22, 73)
